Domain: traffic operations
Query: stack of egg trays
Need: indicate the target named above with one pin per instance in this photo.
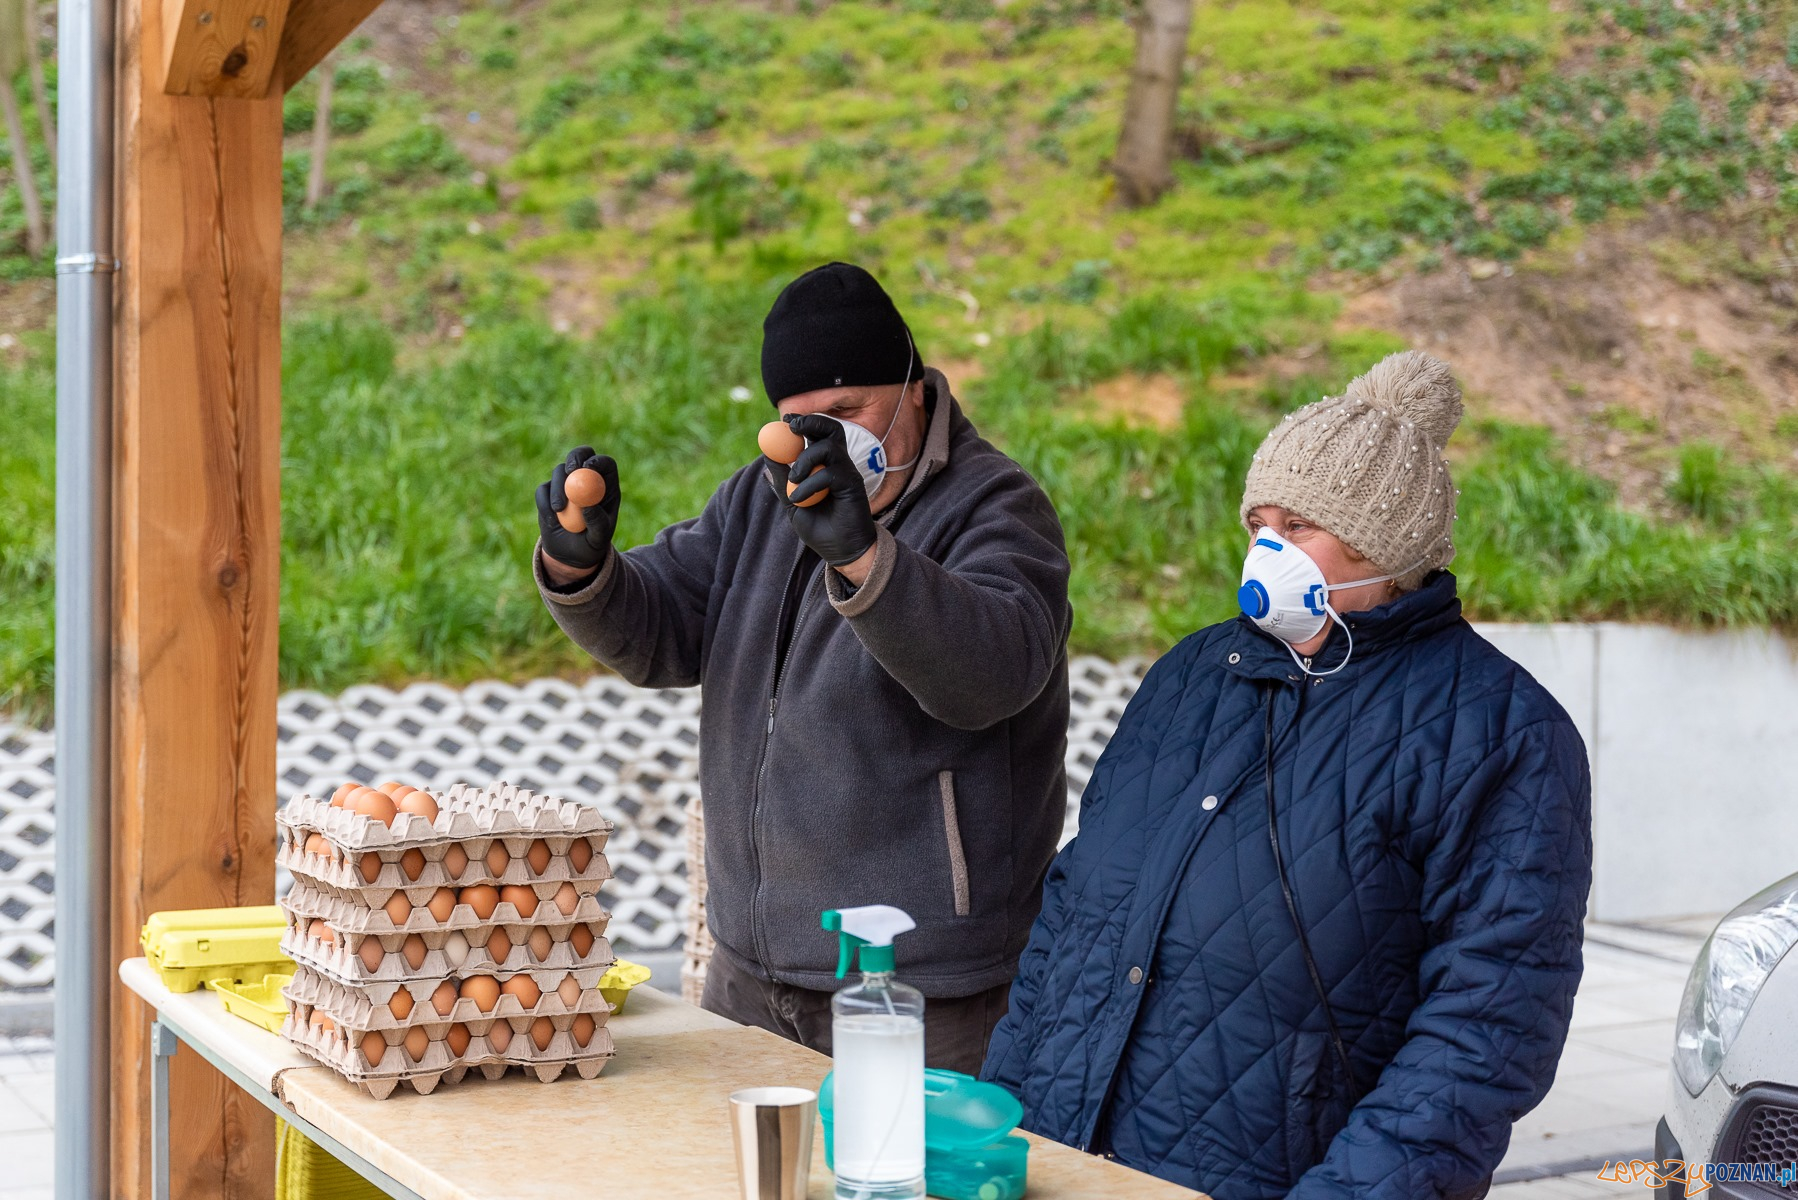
(348, 889)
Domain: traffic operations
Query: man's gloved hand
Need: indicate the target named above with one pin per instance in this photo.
(588, 550)
(839, 527)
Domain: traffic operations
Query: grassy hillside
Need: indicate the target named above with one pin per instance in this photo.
(560, 221)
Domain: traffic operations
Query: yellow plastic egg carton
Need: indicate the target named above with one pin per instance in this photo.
(371, 910)
(192, 947)
(543, 1047)
(438, 1003)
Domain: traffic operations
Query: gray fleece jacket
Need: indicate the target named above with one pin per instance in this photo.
(909, 748)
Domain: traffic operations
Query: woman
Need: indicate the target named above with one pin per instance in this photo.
(1320, 932)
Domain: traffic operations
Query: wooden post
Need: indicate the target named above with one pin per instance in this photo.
(197, 529)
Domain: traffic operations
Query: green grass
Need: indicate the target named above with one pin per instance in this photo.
(659, 178)
(407, 516)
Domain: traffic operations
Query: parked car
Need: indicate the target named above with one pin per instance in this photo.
(1733, 1101)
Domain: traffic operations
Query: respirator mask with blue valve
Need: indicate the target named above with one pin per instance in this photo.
(1284, 592)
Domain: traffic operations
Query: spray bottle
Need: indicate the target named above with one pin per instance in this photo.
(877, 1029)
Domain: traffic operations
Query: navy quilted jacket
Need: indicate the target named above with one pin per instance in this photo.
(1434, 813)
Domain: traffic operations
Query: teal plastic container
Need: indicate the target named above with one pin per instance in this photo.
(968, 1151)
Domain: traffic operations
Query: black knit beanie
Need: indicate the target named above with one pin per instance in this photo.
(834, 326)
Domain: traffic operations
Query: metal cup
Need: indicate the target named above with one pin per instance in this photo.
(772, 1130)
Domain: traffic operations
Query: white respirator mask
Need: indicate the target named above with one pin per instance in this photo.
(1283, 591)
(869, 453)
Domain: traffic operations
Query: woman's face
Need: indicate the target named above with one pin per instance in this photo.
(1338, 563)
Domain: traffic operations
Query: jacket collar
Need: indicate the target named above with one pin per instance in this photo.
(1254, 654)
(934, 455)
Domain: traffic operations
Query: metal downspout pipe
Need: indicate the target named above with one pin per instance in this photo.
(84, 380)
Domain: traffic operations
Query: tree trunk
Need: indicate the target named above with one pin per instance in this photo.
(321, 133)
(1145, 145)
(40, 96)
(35, 237)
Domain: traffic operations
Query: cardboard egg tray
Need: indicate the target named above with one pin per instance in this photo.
(340, 1049)
(343, 963)
(358, 1010)
(363, 911)
(469, 820)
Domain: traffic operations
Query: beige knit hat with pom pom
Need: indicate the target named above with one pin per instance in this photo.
(1367, 466)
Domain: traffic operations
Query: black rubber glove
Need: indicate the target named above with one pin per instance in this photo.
(589, 549)
(839, 527)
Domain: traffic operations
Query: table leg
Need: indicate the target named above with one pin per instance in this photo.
(163, 1044)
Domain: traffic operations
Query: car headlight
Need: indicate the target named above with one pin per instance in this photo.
(1736, 960)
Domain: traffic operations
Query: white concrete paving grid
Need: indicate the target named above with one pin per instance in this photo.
(631, 751)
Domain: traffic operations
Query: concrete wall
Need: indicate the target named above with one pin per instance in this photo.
(1693, 738)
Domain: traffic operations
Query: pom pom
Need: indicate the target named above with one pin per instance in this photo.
(1414, 387)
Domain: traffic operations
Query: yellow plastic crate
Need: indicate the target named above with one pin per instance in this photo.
(195, 946)
(618, 981)
(260, 1003)
(305, 1171)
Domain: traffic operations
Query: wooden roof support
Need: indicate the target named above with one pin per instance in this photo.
(196, 566)
(314, 28)
(221, 47)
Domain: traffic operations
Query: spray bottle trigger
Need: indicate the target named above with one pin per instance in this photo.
(847, 943)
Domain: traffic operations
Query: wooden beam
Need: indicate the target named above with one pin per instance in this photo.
(197, 551)
(314, 28)
(221, 47)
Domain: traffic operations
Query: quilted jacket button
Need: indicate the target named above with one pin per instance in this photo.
(1135, 975)
(1208, 803)
(1235, 658)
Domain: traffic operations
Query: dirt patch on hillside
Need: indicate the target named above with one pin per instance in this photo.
(1152, 400)
(1637, 341)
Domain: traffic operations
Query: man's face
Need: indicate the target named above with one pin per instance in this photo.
(873, 408)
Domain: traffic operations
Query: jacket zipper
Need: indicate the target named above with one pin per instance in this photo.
(757, 926)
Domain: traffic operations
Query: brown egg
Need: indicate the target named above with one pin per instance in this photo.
(814, 498)
(569, 991)
(389, 788)
(580, 853)
(779, 442)
(417, 1042)
(483, 990)
(541, 944)
(499, 947)
(357, 801)
(444, 998)
(457, 1038)
(497, 859)
(482, 897)
(322, 932)
(371, 954)
(321, 1021)
(343, 793)
(581, 938)
(370, 867)
(373, 1047)
(455, 861)
(520, 897)
(541, 1032)
(443, 903)
(538, 856)
(418, 803)
(584, 487)
(377, 806)
(499, 1036)
(402, 1003)
(583, 1028)
(412, 862)
(316, 844)
(567, 899)
(397, 908)
(414, 950)
(525, 988)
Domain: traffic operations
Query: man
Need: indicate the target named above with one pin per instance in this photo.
(1320, 933)
(885, 672)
